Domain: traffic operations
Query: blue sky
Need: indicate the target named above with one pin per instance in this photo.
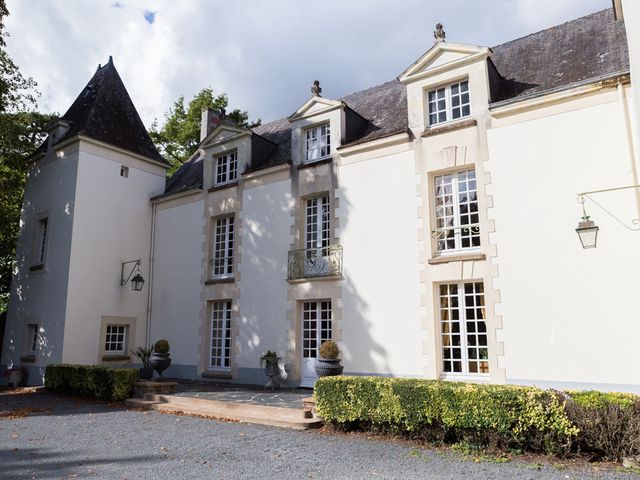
(264, 54)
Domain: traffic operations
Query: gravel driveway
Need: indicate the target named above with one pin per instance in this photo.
(50, 436)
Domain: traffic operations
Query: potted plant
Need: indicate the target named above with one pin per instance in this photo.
(160, 359)
(269, 361)
(328, 364)
(144, 354)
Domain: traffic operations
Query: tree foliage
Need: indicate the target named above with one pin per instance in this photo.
(21, 131)
(179, 136)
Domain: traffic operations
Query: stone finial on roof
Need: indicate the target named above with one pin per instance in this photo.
(316, 89)
(439, 34)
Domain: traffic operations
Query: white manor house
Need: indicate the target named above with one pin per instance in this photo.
(427, 225)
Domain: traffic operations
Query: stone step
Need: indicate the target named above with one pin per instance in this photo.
(300, 419)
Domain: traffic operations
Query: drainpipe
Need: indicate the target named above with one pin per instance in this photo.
(632, 152)
(150, 287)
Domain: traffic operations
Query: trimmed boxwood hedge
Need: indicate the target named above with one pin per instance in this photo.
(103, 383)
(495, 416)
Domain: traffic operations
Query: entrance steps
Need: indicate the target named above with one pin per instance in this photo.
(299, 419)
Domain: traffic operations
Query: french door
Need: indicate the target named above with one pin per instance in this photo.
(317, 235)
(316, 328)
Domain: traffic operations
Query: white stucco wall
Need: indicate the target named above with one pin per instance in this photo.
(381, 331)
(112, 223)
(40, 297)
(262, 268)
(177, 279)
(570, 316)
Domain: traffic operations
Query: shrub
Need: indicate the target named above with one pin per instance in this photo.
(498, 416)
(329, 350)
(103, 383)
(161, 346)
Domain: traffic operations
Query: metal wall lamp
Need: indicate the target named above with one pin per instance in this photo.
(587, 229)
(137, 281)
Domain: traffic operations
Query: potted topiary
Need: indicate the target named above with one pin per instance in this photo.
(144, 354)
(328, 364)
(160, 359)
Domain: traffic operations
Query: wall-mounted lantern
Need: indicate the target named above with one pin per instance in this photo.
(137, 282)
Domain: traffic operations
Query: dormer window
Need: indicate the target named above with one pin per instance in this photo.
(226, 168)
(318, 143)
(448, 103)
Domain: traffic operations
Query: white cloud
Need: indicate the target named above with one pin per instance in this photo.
(263, 54)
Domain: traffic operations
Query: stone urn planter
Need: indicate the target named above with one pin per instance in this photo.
(269, 361)
(160, 359)
(328, 363)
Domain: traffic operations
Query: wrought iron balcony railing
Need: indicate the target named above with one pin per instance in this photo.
(315, 262)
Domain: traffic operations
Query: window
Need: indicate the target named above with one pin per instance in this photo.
(318, 143)
(221, 335)
(40, 247)
(449, 103)
(124, 171)
(456, 212)
(316, 326)
(116, 339)
(32, 337)
(226, 168)
(222, 261)
(318, 233)
(464, 331)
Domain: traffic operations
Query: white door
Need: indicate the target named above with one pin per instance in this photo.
(316, 328)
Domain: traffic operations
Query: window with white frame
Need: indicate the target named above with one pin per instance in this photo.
(448, 103)
(456, 212)
(317, 143)
(223, 238)
(464, 331)
(226, 168)
(116, 339)
(220, 358)
(318, 226)
(32, 337)
(41, 239)
(316, 326)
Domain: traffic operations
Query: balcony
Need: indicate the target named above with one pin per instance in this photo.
(315, 262)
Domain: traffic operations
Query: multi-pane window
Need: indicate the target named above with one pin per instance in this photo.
(41, 241)
(456, 212)
(317, 143)
(223, 238)
(464, 331)
(449, 103)
(220, 335)
(318, 227)
(116, 340)
(316, 326)
(226, 168)
(32, 337)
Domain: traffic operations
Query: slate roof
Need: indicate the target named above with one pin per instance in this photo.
(104, 111)
(590, 47)
(586, 48)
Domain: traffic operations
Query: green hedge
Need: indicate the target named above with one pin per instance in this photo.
(104, 383)
(497, 416)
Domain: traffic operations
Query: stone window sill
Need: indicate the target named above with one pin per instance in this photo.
(31, 358)
(313, 279)
(214, 281)
(449, 127)
(223, 186)
(37, 268)
(115, 358)
(226, 375)
(315, 163)
(466, 257)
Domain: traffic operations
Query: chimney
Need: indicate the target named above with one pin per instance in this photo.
(210, 119)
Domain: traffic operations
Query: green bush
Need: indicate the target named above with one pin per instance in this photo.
(104, 383)
(497, 416)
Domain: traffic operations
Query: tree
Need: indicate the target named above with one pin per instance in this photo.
(21, 131)
(179, 137)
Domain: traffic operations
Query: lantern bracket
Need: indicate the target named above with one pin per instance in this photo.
(135, 267)
(582, 198)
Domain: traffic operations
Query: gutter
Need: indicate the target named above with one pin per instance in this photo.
(152, 245)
